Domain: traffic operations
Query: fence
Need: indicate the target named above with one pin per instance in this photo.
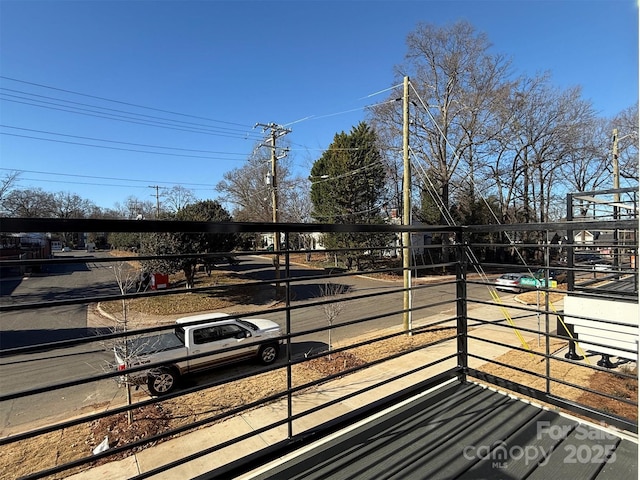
(443, 322)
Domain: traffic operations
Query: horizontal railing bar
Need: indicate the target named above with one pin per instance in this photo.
(439, 379)
(131, 333)
(373, 263)
(30, 225)
(540, 395)
(632, 190)
(238, 410)
(176, 291)
(559, 359)
(417, 331)
(557, 380)
(551, 313)
(570, 247)
(553, 226)
(197, 256)
(553, 357)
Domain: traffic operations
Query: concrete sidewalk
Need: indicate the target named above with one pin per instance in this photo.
(177, 448)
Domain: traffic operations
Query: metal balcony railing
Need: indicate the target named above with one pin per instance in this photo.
(443, 322)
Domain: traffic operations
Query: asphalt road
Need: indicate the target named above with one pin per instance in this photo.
(50, 324)
(77, 280)
(57, 282)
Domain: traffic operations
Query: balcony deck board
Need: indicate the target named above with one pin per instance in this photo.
(625, 466)
(464, 431)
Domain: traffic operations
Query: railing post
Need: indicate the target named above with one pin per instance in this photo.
(461, 304)
(287, 300)
(569, 248)
(547, 331)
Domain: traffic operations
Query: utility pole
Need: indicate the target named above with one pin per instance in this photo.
(157, 187)
(616, 169)
(276, 131)
(616, 197)
(406, 210)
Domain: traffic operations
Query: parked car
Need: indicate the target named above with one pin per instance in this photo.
(510, 282)
(559, 276)
(593, 260)
(65, 249)
(206, 341)
(587, 258)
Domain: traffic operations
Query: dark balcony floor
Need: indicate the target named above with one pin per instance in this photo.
(464, 431)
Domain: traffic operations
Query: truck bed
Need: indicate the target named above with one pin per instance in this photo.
(151, 344)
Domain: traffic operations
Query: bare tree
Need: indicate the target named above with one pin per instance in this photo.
(127, 277)
(177, 198)
(333, 309)
(478, 131)
(539, 130)
(299, 209)
(627, 124)
(247, 189)
(134, 208)
(70, 205)
(454, 80)
(585, 167)
(31, 203)
(7, 183)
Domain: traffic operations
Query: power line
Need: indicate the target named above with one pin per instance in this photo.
(380, 91)
(77, 183)
(119, 142)
(347, 174)
(110, 185)
(317, 117)
(104, 178)
(103, 108)
(121, 102)
(31, 137)
(102, 111)
(140, 121)
(149, 120)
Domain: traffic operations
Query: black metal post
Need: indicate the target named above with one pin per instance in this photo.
(287, 300)
(570, 247)
(461, 305)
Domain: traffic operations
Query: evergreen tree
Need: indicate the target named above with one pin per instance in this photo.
(348, 187)
(186, 242)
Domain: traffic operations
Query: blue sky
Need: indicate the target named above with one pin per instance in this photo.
(224, 66)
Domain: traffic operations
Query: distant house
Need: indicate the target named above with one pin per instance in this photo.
(603, 240)
(25, 246)
(583, 237)
(312, 241)
(38, 245)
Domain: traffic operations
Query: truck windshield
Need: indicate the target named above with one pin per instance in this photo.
(248, 324)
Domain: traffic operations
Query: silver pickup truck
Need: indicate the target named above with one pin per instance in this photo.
(259, 338)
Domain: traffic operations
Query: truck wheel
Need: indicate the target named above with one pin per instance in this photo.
(161, 381)
(268, 354)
